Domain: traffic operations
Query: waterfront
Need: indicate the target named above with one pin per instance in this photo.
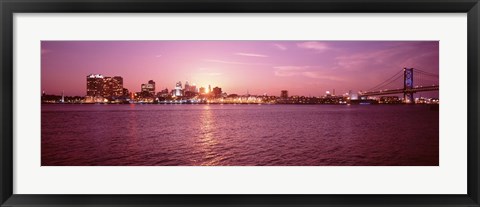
(239, 135)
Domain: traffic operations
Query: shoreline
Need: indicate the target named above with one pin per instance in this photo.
(236, 104)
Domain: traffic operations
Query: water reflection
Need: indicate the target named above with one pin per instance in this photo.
(238, 135)
(132, 128)
(207, 140)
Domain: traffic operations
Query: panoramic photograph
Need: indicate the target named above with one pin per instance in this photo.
(239, 103)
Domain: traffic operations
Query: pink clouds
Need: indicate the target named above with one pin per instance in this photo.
(399, 56)
(314, 72)
(250, 54)
(233, 62)
(280, 46)
(317, 46)
(286, 71)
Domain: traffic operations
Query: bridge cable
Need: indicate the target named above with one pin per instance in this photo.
(394, 77)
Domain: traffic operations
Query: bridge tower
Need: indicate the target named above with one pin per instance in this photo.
(408, 85)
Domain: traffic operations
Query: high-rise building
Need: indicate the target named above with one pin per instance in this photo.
(201, 90)
(284, 94)
(107, 86)
(217, 92)
(209, 89)
(100, 88)
(190, 90)
(117, 86)
(151, 83)
(193, 88)
(149, 88)
(178, 89)
(187, 87)
(112, 87)
(95, 85)
(163, 93)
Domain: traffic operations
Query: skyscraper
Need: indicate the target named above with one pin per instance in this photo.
(187, 87)
(193, 88)
(284, 94)
(107, 86)
(95, 85)
(178, 89)
(201, 90)
(112, 87)
(149, 88)
(163, 93)
(100, 88)
(117, 86)
(151, 84)
(217, 92)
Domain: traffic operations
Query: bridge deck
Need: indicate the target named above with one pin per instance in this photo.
(397, 91)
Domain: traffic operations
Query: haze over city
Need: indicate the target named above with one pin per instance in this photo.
(307, 68)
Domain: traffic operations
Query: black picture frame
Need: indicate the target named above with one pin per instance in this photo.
(9, 7)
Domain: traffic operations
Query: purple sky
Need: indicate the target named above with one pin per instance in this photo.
(302, 67)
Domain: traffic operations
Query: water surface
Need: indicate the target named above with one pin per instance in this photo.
(239, 135)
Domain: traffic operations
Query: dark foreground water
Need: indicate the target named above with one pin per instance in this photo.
(239, 135)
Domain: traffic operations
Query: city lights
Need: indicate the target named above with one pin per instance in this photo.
(104, 90)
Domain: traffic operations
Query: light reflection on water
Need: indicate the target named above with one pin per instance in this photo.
(241, 135)
(207, 140)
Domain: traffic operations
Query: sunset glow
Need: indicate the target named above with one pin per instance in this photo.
(308, 68)
(240, 103)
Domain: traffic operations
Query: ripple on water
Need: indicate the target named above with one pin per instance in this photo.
(239, 135)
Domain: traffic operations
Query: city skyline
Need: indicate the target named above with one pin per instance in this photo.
(308, 68)
(105, 89)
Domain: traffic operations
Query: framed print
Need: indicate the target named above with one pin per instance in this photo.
(260, 103)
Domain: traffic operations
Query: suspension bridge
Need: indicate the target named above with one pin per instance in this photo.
(424, 81)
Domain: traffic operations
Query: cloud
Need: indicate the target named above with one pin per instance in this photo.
(321, 75)
(280, 46)
(314, 72)
(375, 66)
(232, 62)
(317, 46)
(250, 54)
(287, 71)
(378, 59)
(311, 74)
(158, 56)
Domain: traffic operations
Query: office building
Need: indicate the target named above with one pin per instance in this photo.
(149, 88)
(284, 94)
(101, 88)
(187, 87)
(112, 87)
(178, 89)
(217, 92)
(95, 85)
(94, 88)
